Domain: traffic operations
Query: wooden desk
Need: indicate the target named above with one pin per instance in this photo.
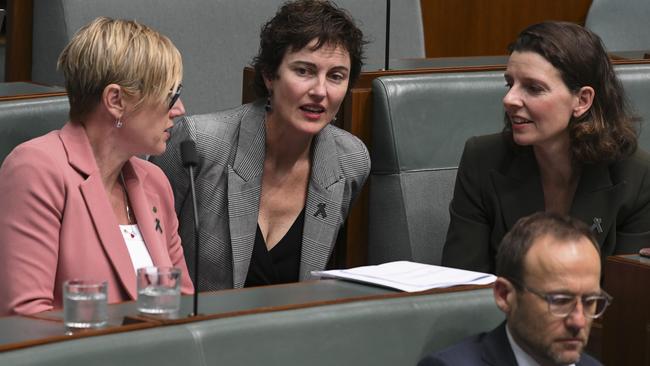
(18, 55)
(28, 90)
(25, 331)
(626, 323)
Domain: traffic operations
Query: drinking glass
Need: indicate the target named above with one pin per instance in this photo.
(159, 290)
(85, 304)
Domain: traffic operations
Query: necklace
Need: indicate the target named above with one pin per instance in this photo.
(128, 209)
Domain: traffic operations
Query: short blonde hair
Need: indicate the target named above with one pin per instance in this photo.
(107, 51)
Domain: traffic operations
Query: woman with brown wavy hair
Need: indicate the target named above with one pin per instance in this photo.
(569, 146)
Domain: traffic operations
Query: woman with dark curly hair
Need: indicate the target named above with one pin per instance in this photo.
(569, 146)
(275, 180)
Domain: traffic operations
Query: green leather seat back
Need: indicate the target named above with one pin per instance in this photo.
(24, 119)
(396, 331)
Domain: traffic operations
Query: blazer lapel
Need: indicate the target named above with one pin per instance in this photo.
(496, 348)
(145, 206)
(323, 208)
(81, 157)
(595, 196)
(519, 190)
(244, 188)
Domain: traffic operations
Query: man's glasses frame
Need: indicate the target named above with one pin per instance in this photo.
(561, 305)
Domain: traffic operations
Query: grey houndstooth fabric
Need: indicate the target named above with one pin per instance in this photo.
(230, 145)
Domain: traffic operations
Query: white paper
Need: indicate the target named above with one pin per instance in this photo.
(410, 276)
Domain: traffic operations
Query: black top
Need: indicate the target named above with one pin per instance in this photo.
(281, 264)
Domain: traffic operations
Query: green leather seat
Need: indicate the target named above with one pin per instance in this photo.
(24, 119)
(387, 331)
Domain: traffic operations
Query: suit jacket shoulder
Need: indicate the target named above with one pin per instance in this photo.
(490, 349)
(223, 124)
(636, 166)
(352, 155)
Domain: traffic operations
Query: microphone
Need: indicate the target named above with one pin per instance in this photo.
(387, 48)
(190, 160)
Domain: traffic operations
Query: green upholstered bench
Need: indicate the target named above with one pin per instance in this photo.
(312, 323)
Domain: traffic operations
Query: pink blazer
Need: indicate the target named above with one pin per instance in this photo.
(56, 223)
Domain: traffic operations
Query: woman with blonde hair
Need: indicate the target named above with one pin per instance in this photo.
(78, 203)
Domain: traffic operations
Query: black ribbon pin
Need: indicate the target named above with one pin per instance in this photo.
(321, 210)
(158, 227)
(596, 225)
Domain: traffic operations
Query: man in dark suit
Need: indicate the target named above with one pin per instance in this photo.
(549, 288)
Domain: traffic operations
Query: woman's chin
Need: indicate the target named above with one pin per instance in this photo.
(521, 140)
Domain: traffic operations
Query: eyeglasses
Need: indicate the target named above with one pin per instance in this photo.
(175, 96)
(561, 305)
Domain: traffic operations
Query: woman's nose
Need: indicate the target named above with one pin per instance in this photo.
(178, 109)
(512, 99)
(318, 89)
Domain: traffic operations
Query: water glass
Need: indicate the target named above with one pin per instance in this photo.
(85, 304)
(159, 290)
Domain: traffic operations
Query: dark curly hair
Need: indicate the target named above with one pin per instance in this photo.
(607, 131)
(295, 25)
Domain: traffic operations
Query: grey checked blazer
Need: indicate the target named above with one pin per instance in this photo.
(230, 146)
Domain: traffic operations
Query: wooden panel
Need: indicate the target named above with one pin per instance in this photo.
(247, 90)
(356, 105)
(480, 27)
(627, 320)
(18, 57)
(28, 90)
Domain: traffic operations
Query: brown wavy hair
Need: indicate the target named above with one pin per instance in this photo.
(608, 130)
(295, 25)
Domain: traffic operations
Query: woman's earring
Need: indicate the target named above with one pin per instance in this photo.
(268, 107)
(118, 123)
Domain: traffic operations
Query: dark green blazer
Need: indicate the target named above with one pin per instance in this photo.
(496, 185)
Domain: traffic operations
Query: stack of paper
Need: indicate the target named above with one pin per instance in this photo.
(410, 276)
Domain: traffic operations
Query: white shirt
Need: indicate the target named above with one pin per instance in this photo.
(135, 244)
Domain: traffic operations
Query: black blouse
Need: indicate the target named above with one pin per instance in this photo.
(281, 264)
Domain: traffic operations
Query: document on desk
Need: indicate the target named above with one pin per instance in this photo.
(409, 276)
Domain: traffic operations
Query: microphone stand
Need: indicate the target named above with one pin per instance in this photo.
(190, 159)
(387, 49)
(195, 310)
